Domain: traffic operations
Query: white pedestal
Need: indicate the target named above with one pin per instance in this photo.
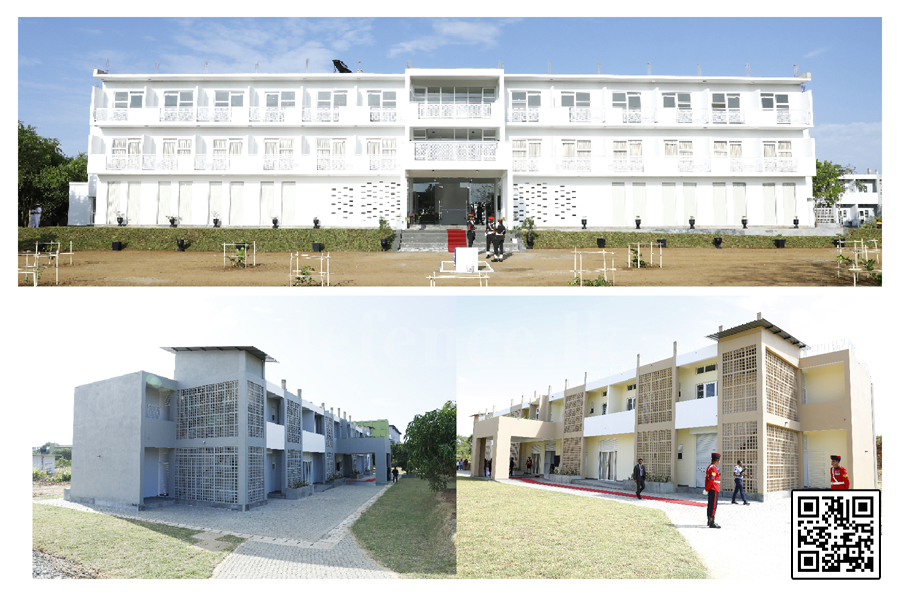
(466, 260)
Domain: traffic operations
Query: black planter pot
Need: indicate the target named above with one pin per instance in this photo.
(779, 242)
(796, 223)
(691, 222)
(838, 243)
(661, 242)
(180, 244)
(317, 247)
(315, 223)
(117, 246)
(718, 242)
(216, 222)
(385, 245)
(173, 223)
(43, 247)
(584, 223)
(240, 246)
(529, 241)
(744, 223)
(274, 223)
(119, 220)
(601, 242)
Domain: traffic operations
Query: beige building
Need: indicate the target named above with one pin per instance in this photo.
(758, 395)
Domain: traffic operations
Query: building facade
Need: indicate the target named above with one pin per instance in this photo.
(215, 434)
(429, 144)
(757, 395)
(382, 428)
(861, 201)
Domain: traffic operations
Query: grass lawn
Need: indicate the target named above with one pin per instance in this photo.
(509, 531)
(123, 548)
(410, 530)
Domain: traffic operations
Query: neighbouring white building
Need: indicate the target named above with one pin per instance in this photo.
(857, 205)
(350, 148)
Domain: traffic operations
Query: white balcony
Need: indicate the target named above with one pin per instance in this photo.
(632, 115)
(610, 424)
(383, 115)
(453, 111)
(525, 115)
(321, 115)
(696, 413)
(572, 164)
(313, 442)
(274, 436)
(223, 114)
(627, 164)
(443, 151)
(726, 116)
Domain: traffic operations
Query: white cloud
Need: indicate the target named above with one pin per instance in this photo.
(815, 53)
(24, 61)
(451, 32)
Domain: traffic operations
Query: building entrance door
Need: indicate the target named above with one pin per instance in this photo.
(706, 445)
(448, 201)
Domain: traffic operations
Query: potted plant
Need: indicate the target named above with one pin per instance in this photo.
(317, 247)
(385, 233)
(637, 222)
(120, 219)
(691, 221)
(838, 242)
(584, 222)
(315, 222)
(180, 244)
(528, 228)
(744, 221)
(717, 240)
(274, 222)
(661, 242)
(173, 220)
(601, 242)
(796, 222)
(117, 246)
(216, 221)
(779, 241)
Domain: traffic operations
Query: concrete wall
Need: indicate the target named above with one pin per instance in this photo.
(824, 384)
(106, 442)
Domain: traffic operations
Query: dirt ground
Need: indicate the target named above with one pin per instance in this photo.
(44, 489)
(681, 267)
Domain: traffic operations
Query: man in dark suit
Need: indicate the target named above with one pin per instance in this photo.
(640, 474)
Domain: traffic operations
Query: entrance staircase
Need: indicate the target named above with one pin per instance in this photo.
(445, 239)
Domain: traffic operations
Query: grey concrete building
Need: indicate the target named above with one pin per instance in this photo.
(215, 434)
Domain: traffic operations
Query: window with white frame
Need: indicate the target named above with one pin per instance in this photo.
(128, 99)
(525, 105)
(578, 105)
(279, 154)
(526, 154)
(171, 149)
(679, 100)
(281, 99)
(329, 99)
(330, 154)
(627, 100)
(382, 105)
(780, 149)
(679, 148)
(382, 153)
(125, 153)
(576, 154)
(774, 101)
(706, 390)
(726, 107)
(228, 99)
(178, 99)
(223, 149)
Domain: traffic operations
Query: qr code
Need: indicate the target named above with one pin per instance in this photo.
(836, 534)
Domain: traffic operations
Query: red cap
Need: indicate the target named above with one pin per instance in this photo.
(716, 456)
(836, 457)
(490, 218)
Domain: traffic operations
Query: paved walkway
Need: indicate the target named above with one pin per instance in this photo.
(302, 539)
(753, 540)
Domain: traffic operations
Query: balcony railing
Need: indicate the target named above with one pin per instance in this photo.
(111, 114)
(169, 114)
(215, 114)
(635, 115)
(322, 115)
(454, 111)
(628, 164)
(456, 151)
(573, 164)
(526, 165)
(525, 115)
(279, 162)
(727, 115)
(382, 115)
(122, 162)
(793, 117)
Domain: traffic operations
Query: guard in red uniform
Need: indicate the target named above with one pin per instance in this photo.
(839, 478)
(712, 487)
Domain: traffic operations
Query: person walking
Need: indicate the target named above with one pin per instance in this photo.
(839, 478)
(528, 465)
(499, 238)
(489, 230)
(470, 230)
(35, 216)
(640, 474)
(739, 483)
(395, 472)
(712, 487)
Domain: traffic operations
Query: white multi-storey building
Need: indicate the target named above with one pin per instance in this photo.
(350, 148)
(861, 201)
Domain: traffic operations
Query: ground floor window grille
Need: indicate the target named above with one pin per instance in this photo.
(255, 409)
(571, 455)
(782, 459)
(207, 474)
(740, 442)
(256, 484)
(782, 391)
(294, 467)
(655, 447)
(294, 423)
(573, 413)
(655, 397)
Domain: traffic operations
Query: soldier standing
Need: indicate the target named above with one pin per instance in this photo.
(489, 230)
(499, 238)
(839, 478)
(470, 230)
(712, 488)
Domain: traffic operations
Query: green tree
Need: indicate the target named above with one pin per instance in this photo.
(65, 453)
(463, 447)
(430, 443)
(827, 184)
(398, 455)
(44, 176)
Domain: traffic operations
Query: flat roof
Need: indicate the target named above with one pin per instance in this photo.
(251, 350)
(765, 324)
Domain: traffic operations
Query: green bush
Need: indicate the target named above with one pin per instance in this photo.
(61, 475)
(37, 474)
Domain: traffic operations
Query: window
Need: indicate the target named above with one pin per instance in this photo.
(629, 403)
(679, 148)
(627, 100)
(128, 100)
(526, 155)
(576, 99)
(726, 108)
(184, 98)
(711, 367)
(776, 149)
(226, 99)
(576, 155)
(525, 105)
(125, 154)
(280, 99)
(774, 101)
(382, 153)
(380, 99)
(592, 408)
(173, 146)
(329, 99)
(680, 451)
(279, 154)
(631, 387)
(330, 154)
(679, 100)
(603, 409)
(706, 390)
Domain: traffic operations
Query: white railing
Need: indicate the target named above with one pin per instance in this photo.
(332, 163)
(779, 165)
(383, 163)
(526, 165)
(321, 115)
(579, 114)
(168, 114)
(123, 162)
(573, 164)
(629, 164)
(111, 114)
(693, 165)
(793, 117)
(267, 114)
(691, 115)
(208, 162)
(456, 151)
(525, 115)
(382, 115)
(454, 111)
(279, 162)
(215, 114)
(727, 115)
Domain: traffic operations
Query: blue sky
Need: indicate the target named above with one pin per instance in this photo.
(56, 57)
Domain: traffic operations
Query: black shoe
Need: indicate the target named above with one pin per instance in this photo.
(735, 502)
(746, 504)
(638, 496)
(714, 525)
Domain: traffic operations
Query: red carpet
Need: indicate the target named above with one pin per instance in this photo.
(456, 238)
(624, 494)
